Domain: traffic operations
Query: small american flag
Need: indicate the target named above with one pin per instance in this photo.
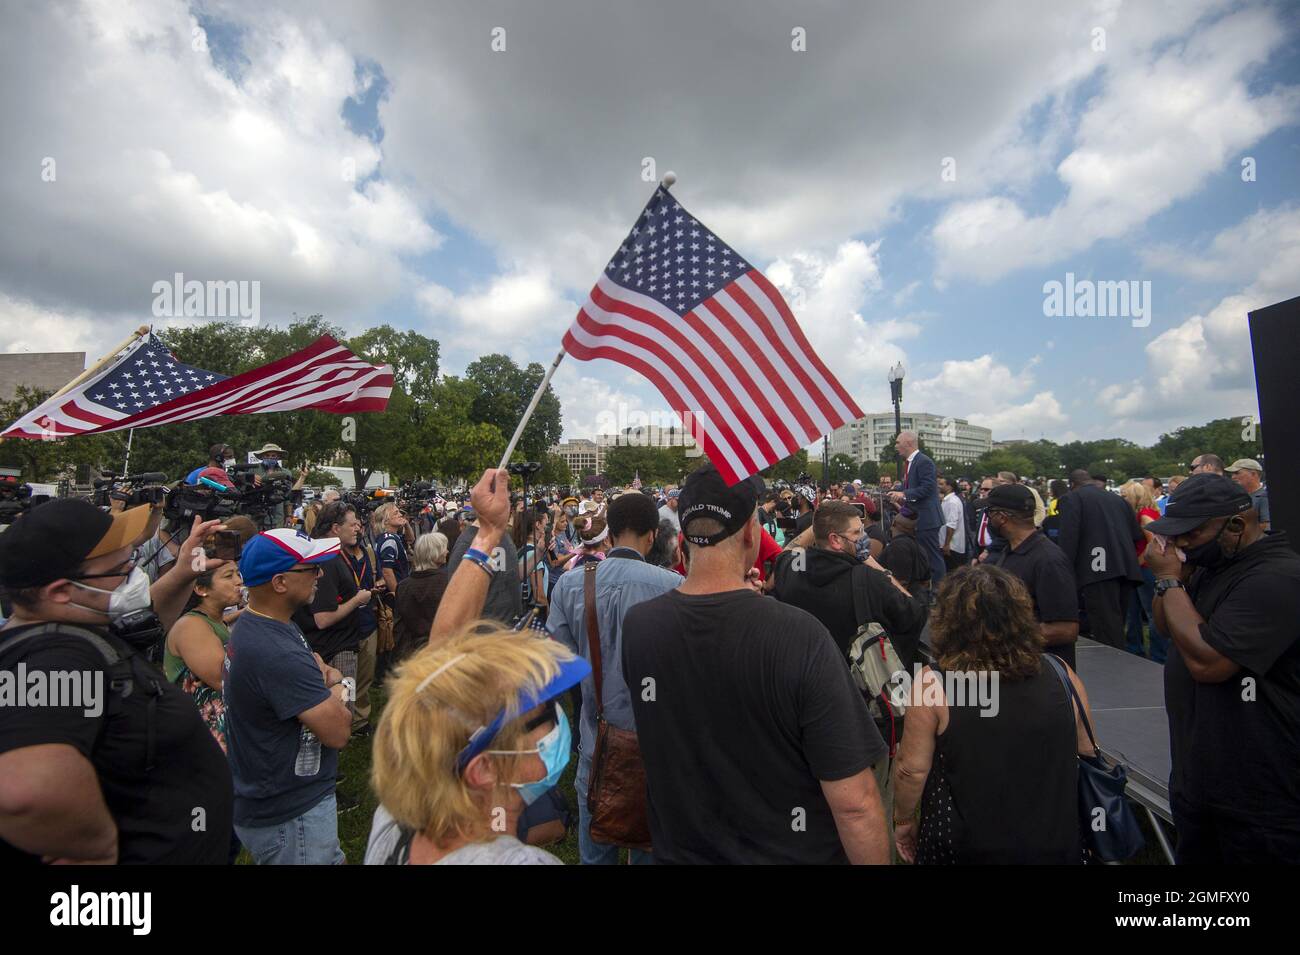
(715, 337)
(146, 386)
(636, 481)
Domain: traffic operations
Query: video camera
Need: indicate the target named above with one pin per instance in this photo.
(16, 498)
(186, 501)
(131, 489)
(361, 502)
(413, 495)
(262, 492)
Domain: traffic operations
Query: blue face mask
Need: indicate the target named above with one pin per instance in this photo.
(554, 749)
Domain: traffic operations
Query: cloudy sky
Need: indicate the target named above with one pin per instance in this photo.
(911, 179)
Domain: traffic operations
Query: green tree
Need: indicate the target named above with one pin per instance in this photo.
(991, 462)
(654, 465)
(555, 470)
(869, 472)
(46, 460)
(788, 469)
(841, 468)
(504, 390)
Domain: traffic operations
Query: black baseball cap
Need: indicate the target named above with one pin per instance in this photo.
(1015, 498)
(53, 540)
(1200, 498)
(706, 494)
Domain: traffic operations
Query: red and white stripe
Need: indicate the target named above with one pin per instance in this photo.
(738, 366)
(325, 376)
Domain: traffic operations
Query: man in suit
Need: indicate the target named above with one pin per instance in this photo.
(1098, 533)
(920, 491)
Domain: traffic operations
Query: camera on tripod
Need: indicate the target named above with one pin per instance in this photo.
(131, 489)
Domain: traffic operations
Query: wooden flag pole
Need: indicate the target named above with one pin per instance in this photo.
(140, 332)
(667, 182)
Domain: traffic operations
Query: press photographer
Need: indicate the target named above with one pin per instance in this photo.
(113, 776)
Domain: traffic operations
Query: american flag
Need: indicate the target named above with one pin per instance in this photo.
(715, 337)
(636, 481)
(146, 386)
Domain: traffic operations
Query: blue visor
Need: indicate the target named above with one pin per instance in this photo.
(572, 672)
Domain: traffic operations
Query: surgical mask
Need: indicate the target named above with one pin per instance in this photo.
(228, 463)
(554, 749)
(132, 596)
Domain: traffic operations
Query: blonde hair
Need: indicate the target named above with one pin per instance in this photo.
(436, 699)
(1138, 495)
(379, 517)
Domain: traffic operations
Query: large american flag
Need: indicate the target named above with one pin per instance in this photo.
(715, 337)
(146, 386)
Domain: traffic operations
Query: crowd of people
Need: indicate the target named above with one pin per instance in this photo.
(745, 674)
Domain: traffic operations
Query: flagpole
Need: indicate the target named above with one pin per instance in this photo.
(138, 333)
(667, 182)
(126, 465)
(532, 406)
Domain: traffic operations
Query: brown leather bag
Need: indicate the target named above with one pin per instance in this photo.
(616, 791)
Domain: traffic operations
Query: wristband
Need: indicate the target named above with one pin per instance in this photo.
(478, 557)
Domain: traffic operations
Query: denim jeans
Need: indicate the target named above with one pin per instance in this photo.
(600, 853)
(1138, 608)
(310, 839)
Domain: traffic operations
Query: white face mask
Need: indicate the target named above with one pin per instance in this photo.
(228, 463)
(131, 596)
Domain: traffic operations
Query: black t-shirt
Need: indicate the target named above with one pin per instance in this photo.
(179, 811)
(752, 707)
(802, 523)
(1236, 744)
(335, 587)
(1046, 573)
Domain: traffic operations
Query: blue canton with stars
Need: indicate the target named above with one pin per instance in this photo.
(148, 377)
(671, 258)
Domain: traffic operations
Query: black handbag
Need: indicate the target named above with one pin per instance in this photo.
(1110, 827)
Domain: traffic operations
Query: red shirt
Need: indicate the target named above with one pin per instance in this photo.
(1155, 516)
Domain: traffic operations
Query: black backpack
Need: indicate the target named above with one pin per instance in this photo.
(125, 677)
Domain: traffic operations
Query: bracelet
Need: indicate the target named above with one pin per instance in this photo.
(481, 559)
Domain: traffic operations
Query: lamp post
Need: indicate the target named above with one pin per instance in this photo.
(896, 395)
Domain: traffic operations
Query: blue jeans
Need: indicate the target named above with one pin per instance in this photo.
(600, 853)
(1138, 608)
(310, 839)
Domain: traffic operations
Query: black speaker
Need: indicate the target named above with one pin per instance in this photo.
(1275, 341)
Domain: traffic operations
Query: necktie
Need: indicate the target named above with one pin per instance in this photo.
(984, 537)
(907, 465)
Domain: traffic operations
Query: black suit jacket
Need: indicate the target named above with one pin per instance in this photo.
(1099, 532)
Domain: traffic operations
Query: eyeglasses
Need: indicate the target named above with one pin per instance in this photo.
(316, 569)
(122, 570)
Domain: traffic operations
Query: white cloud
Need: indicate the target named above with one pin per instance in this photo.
(511, 310)
(989, 393)
(1167, 117)
(163, 163)
(1203, 367)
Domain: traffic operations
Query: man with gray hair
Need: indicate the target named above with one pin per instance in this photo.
(419, 595)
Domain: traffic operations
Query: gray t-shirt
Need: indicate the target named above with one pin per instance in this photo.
(386, 836)
(505, 595)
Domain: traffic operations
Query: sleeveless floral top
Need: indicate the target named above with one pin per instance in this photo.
(212, 708)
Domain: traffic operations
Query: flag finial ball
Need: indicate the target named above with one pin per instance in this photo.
(668, 179)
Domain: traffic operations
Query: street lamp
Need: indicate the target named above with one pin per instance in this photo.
(896, 395)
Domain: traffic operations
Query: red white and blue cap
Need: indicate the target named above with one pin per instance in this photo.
(273, 552)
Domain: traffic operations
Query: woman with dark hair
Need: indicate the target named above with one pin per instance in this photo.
(194, 653)
(990, 748)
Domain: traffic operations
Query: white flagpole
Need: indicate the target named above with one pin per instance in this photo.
(667, 182)
(126, 465)
(532, 406)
